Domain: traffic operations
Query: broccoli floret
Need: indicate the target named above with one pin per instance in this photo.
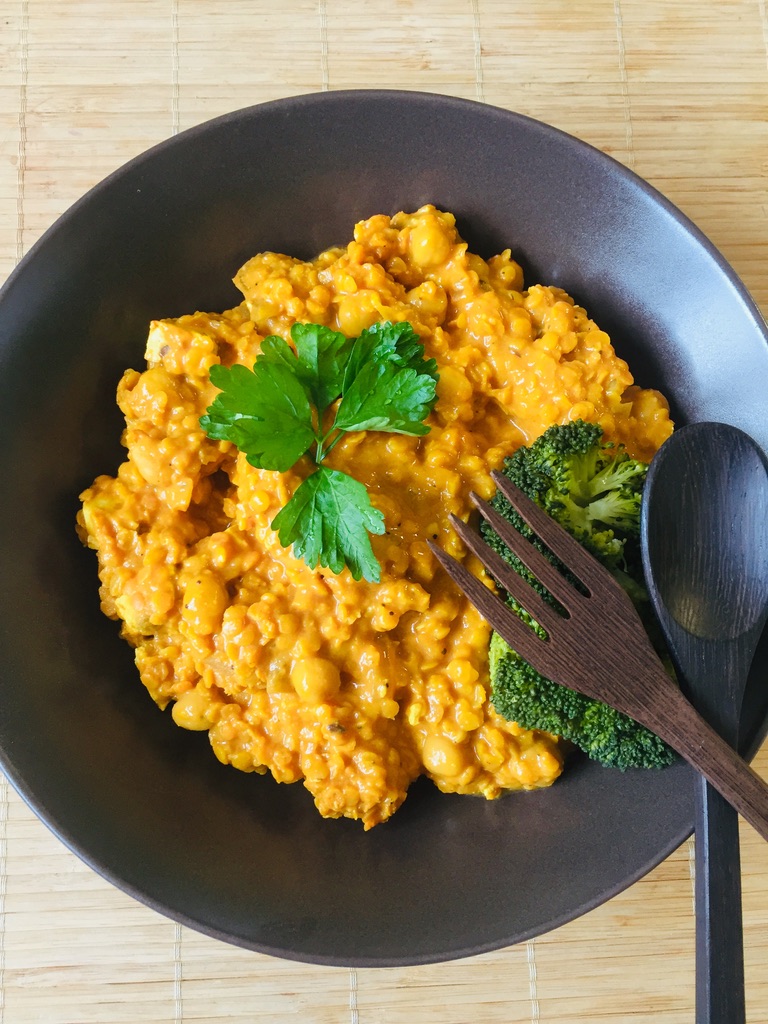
(591, 489)
(594, 491)
(521, 695)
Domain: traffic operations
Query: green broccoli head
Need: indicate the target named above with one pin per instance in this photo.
(521, 695)
(594, 491)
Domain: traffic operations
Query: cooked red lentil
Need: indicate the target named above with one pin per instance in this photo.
(357, 688)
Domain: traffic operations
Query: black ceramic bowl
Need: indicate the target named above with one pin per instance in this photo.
(147, 804)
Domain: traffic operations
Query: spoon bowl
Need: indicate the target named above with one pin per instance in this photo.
(706, 530)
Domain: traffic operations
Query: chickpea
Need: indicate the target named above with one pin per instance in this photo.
(462, 671)
(467, 718)
(358, 311)
(506, 271)
(205, 600)
(453, 386)
(192, 710)
(442, 757)
(315, 680)
(429, 298)
(428, 244)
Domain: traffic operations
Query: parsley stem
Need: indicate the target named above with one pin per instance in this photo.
(322, 451)
(333, 442)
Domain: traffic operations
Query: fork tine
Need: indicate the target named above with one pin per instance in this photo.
(541, 567)
(520, 637)
(504, 574)
(565, 547)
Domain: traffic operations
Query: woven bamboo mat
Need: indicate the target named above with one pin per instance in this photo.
(676, 89)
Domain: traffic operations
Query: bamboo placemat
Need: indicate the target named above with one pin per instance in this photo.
(676, 89)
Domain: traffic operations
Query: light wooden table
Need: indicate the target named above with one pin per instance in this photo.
(676, 89)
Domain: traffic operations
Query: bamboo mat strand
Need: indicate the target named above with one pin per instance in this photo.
(675, 89)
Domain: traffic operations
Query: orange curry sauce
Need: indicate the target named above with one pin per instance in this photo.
(357, 688)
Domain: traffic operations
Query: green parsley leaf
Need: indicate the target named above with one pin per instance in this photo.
(319, 362)
(388, 384)
(385, 397)
(388, 342)
(328, 520)
(274, 414)
(264, 411)
(275, 350)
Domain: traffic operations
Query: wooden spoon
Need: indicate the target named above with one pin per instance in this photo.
(705, 551)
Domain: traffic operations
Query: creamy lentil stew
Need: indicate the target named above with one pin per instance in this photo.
(357, 688)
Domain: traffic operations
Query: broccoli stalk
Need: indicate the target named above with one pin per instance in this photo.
(594, 490)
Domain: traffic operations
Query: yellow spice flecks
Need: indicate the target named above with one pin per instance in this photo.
(356, 688)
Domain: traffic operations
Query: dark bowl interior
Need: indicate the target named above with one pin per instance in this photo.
(145, 803)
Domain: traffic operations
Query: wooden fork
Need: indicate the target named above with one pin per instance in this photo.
(598, 646)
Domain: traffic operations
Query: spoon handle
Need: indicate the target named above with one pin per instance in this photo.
(719, 936)
(675, 720)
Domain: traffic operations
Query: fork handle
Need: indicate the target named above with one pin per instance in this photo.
(677, 722)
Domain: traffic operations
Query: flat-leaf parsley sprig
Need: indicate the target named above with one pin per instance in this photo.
(278, 411)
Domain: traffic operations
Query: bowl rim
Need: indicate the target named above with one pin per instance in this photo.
(441, 99)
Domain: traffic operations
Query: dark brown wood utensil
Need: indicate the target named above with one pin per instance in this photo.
(704, 538)
(599, 647)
